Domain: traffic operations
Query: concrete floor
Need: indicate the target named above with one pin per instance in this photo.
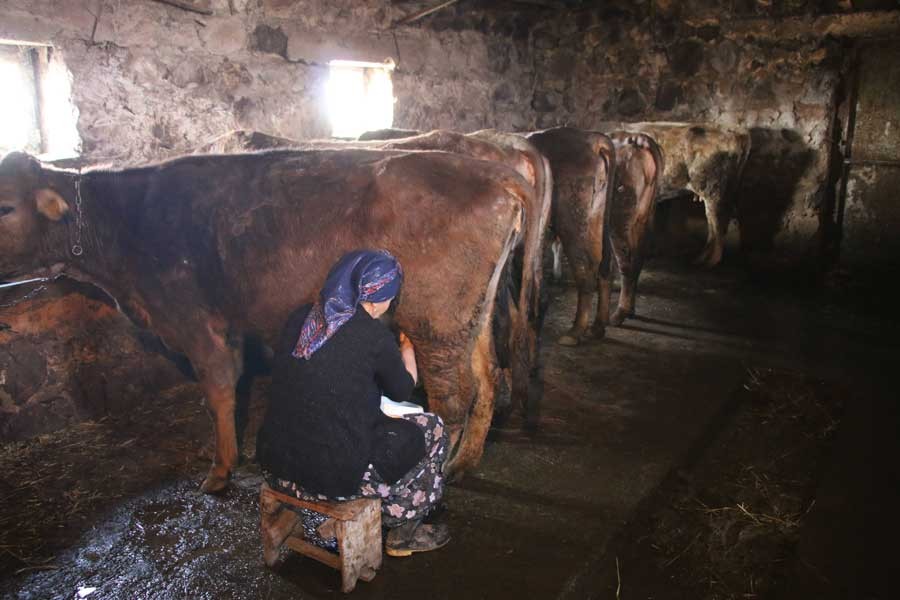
(532, 521)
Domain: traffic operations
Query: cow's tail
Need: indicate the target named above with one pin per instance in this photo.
(541, 298)
(649, 144)
(604, 148)
(544, 189)
(505, 303)
(513, 341)
(653, 181)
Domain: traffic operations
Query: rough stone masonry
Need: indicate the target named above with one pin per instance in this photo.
(150, 80)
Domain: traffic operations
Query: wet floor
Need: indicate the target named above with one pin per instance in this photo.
(617, 416)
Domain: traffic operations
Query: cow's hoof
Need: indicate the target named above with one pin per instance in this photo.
(710, 257)
(599, 330)
(619, 317)
(709, 261)
(453, 472)
(214, 484)
(568, 340)
(714, 258)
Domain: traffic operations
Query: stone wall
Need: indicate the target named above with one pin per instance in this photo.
(773, 67)
(151, 80)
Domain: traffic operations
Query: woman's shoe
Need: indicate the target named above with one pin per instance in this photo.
(416, 537)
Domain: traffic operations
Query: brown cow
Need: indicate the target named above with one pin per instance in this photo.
(595, 224)
(507, 149)
(212, 252)
(707, 160)
(583, 165)
(639, 166)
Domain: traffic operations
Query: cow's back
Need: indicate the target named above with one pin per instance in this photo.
(273, 236)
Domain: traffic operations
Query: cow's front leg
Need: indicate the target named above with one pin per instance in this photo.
(220, 400)
(626, 258)
(218, 368)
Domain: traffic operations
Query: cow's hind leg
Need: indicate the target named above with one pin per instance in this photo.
(629, 266)
(478, 382)
(474, 434)
(628, 293)
(579, 329)
(604, 274)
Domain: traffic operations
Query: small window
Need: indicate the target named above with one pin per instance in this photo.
(19, 127)
(36, 110)
(360, 97)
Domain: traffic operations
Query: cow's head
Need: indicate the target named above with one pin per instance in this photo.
(31, 213)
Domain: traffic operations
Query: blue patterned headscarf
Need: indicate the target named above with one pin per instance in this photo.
(361, 275)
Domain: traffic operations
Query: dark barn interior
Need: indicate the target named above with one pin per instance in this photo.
(727, 427)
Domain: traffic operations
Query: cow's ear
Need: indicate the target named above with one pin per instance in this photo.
(50, 204)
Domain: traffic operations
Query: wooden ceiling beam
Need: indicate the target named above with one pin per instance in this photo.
(424, 13)
(188, 6)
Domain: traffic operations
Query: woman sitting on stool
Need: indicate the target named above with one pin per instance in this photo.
(324, 436)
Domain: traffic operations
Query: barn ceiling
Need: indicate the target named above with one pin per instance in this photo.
(430, 10)
(505, 4)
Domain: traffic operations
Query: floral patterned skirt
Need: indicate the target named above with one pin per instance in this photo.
(411, 497)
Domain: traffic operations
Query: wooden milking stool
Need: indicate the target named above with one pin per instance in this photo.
(355, 523)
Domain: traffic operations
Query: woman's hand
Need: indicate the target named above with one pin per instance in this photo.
(408, 354)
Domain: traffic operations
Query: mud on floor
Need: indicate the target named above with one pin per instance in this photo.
(52, 486)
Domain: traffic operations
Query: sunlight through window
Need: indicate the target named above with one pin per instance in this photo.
(18, 123)
(36, 110)
(360, 97)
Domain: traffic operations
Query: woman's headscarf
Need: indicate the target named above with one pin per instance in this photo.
(361, 275)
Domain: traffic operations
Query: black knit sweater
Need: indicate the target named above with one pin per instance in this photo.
(324, 425)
